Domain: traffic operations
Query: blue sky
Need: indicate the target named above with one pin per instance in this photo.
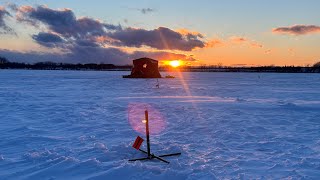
(249, 19)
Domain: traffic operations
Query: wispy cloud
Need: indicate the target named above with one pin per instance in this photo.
(268, 51)
(143, 11)
(243, 40)
(214, 43)
(4, 28)
(297, 30)
(146, 10)
(237, 39)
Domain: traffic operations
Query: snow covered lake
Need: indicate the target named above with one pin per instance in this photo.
(81, 125)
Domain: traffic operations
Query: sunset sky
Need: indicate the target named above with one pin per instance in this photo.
(228, 32)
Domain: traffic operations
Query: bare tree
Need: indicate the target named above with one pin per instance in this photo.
(317, 64)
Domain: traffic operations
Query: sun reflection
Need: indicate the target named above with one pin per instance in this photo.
(157, 122)
(175, 64)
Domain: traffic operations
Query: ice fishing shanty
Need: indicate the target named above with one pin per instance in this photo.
(144, 68)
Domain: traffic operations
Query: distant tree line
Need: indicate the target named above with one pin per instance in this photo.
(271, 69)
(5, 64)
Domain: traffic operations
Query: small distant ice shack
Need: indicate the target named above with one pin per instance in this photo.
(144, 68)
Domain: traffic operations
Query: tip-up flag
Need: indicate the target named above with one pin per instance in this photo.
(137, 143)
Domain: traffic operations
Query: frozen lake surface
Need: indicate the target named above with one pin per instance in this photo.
(81, 125)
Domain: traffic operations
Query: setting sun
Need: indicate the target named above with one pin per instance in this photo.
(175, 63)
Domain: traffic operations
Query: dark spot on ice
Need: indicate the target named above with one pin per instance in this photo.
(287, 104)
(240, 100)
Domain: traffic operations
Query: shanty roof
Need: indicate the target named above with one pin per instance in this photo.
(145, 59)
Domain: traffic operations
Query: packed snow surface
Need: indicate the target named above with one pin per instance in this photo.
(82, 124)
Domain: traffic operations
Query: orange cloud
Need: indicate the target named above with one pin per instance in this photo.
(243, 40)
(268, 51)
(236, 39)
(105, 39)
(256, 45)
(214, 43)
(188, 32)
(25, 9)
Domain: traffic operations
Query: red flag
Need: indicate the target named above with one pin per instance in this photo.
(137, 143)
